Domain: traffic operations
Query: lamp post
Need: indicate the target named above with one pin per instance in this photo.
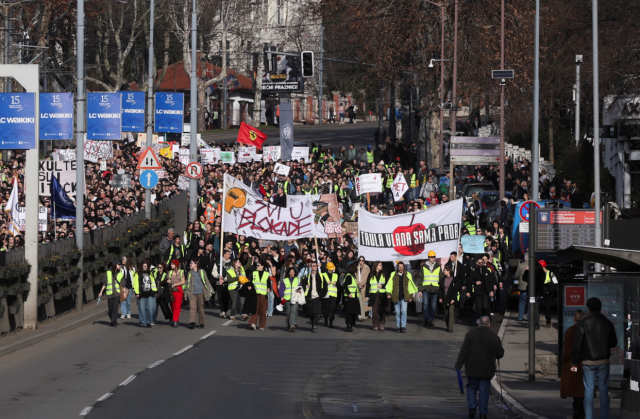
(596, 129)
(501, 162)
(147, 193)
(193, 145)
(80, 133)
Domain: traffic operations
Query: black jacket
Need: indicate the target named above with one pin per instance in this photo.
(594, 338)
(452, 292)
(485, 276)
(321, 286)
(480, 349)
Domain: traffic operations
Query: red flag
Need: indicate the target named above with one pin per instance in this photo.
(251, 136)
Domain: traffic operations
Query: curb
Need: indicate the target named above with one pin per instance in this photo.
(28, 341)
(498, 391)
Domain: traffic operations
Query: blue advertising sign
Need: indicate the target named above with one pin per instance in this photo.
(104, 116)
(17, 121)
(148, 179)
(56, 116)
(169, 112)
(133, 111)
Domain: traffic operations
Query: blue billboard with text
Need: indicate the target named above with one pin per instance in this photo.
(104, 116)
(56, 116)
(17, 121)
(169, 112)
(132, 111)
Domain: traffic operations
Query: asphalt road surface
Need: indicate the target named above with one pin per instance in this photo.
(228, 371)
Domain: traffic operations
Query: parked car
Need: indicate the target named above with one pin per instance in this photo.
(474, 187)
(489, 204)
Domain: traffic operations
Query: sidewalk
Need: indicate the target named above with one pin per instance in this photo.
(540, 399)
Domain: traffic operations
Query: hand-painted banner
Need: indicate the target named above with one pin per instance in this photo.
(399, 186)
(472, 244)
(97, 150)
(326, 211)
(65, 171)
(410, 236)
(246, 213)
(56, 116)
(369, 183)
(133, 111)
(271, 153)
(104, 116)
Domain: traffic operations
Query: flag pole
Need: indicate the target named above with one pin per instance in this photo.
(224, 194)
(55, 225)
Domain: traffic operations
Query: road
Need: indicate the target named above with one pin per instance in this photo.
(228, 371)
(333, 135)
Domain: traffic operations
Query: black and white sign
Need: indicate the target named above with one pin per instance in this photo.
(65, 171)
(122, 181)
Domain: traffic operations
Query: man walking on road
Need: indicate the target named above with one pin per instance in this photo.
(480, 350)
(592, 343)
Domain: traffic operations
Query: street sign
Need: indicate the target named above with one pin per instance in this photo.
(502, 74)
(149, 161)
(475, 160)
(148, 179)
(525, 209)
(606, 131)
(194, 170)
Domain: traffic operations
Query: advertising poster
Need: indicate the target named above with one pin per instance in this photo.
(17, 121)
(287, 78)
(133, 111)
(56, 116)
(169, 112)
(104, 116)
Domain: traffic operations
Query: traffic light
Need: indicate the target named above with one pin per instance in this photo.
(307, 63)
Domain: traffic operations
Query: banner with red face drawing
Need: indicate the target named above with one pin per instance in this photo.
(410, 236)
(245, 212)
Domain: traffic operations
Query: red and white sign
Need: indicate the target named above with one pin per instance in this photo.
(194, 170)
(574, 217)
(148, 160)
(525, 209)
(399, 186)
(369, 183)
(575, 296)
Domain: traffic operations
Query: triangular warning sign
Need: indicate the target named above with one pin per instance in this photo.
(148, 160)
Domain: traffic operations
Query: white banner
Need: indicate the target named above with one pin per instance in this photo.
(209, 155)
(42, 218)
(248, 214)
(184, 156)
(299, 153)
(369, 183)
(410, 236)
(399, 186)
(97, 150)
(65, 171)
(271, 153)
(66, 155)
(326, 213)
(246, 154)
(282, 169)
(142, 139)
(183, 183)
(185, 141)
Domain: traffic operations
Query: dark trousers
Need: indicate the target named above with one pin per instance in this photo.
(377, 312)
(328, 308)
(578, 407)
(482, 305)
(350, 319)
(112, 305)
(261, 315)
(313, 309)
(223, 297)
(546, 302)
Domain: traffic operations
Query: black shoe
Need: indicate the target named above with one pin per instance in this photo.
(326, 322)
(202, 326)
(537, 326)
(331, 325)
(431, 323)
(404, 329)
(426, 323)
(114, 324)
(483, 416)
(399, 330)
(450, 330)
(174, 324)
(192, 325)
(472, 413)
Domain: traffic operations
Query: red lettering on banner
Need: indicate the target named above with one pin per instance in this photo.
(267, 220)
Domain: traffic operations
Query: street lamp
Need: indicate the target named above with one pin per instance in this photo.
(433, 60)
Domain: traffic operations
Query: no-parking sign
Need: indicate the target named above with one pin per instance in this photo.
(525, 209)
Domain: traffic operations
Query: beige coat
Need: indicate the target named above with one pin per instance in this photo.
(362, 277)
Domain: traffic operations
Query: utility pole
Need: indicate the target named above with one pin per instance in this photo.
(596, 129)
(577, 133)
(80, 133)
(147, 192)
(193, 122)
(501, 162)
(442, 89)
(320, 101)
(454, 99)
(534, 195)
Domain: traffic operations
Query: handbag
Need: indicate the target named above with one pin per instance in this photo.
(124, 293)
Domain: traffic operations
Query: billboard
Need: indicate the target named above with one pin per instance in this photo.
(17, 121)
(169, 112)
(287, 76)
(104, 116)
(133, 111)
(56, 116)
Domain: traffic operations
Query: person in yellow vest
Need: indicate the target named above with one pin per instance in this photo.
(197, 290)
(290, 285)
(449, 289)
(470, 224)
(400, 288)
(550, 291)
(177, 281)
(429, 278)
(412, 180)
(210, 212)
(111, 284)
(351, 297)
(328, 303)
(145, 289)
(315, 289)
(376, 296)
(247, 290)
(231, 278)
(261, 283)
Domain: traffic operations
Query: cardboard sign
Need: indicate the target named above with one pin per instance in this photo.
(299, 153)
(209, 155)
(66, 155)
(184, 156)
(183, 183)
(399, 186)
(472, 244)
(369, 183)
(246, 154)
(282, 169)
(271, 153)
(142, 139)
(350, 227)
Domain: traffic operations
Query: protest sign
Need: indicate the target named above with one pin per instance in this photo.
(66, 154)
(369, 183)
(472, 244)
(300, 153)
(103, 166)
(399, 186)
(246, 154)
(271, 153)
(160, 173)
(185, 140)
(42, 218)
(246, 213)
(228, 157)
(142, 139)
(326, 213)
(64, 171)
(209, 155)
(167, 152)
(184, 156)
(350, 227)
(410, 236)
(122, 181)
(282, 169)
(95, 150)
(183, 183)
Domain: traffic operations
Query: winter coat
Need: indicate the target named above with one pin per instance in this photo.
(480, 349)
(351, 305)
(571, 384)
(250, 298)
(594, 338)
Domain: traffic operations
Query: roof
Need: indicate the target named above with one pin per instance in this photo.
(621, 259)
(178, 79)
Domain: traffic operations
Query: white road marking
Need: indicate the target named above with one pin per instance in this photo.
(227, 323)
(104, 397)
(208, 334)
(155, 364)
(85, 411)
(183, 350)
(128, 380)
